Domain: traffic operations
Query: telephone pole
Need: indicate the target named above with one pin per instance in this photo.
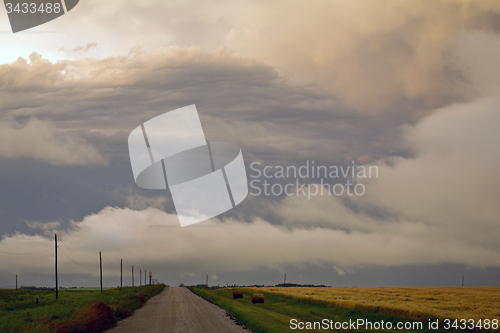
(121, 273)
(57, 285)
(100, 268)
(132, 276)
(149, 277)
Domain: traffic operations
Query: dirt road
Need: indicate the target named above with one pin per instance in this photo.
(178, 310)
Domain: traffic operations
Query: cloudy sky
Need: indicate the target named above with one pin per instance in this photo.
(409, 87)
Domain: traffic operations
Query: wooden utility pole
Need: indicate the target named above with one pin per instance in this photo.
(16, 282)
(57, 284)
(150, 277)
(132, 276)
(100, 268)
(284, 282)
(121, 273)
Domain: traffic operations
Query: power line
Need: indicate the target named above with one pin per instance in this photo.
(60, 241)
(107, 265)
(26, 254)
(106, 259)
(73, 260)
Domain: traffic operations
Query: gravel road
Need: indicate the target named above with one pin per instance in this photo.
(178, 310)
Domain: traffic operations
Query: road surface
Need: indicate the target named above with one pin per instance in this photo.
(178, 310)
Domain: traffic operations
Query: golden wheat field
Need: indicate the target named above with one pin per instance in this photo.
(412, 302)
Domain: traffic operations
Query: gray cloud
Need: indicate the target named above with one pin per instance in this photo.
(39, 140)
(154, 237)
(245, 98)
(409, 86)
(98, 102)
(243, 101)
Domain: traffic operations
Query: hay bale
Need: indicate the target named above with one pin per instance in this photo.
(237, 294)
(257, 298)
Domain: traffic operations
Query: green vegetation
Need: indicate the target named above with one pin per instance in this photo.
(76, 310)
(277, 311)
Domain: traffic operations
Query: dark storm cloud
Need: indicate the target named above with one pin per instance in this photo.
(245, 98)
(94, 104)
(410, 217)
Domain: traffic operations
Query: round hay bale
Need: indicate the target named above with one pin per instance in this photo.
(237, 294)
(257, 298)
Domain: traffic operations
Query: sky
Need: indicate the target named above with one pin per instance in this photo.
(409, 88)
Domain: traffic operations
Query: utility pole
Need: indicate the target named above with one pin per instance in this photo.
(140, 277)
(100, 268)
(149, 277)
(284, 283)
(132, 275)
(16, 282)
(57, 285)
(145, 281)
(121, 273)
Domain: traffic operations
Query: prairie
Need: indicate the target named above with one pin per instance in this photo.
(411, 302)
(76, 309)
(278, 311)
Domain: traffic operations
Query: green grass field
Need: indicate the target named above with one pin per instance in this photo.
(76, 310)
(277, 311)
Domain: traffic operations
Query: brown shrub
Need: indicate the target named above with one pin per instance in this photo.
(120, 312)
(94, 318)
(237, 294)
(257, 298)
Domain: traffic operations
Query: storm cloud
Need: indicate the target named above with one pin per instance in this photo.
(383, 83)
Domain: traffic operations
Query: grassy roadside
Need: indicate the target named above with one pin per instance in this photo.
(74, 311)
(275, 314)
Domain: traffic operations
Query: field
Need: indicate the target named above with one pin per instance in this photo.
(76, 310)
(277, 311)
(411, 302)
